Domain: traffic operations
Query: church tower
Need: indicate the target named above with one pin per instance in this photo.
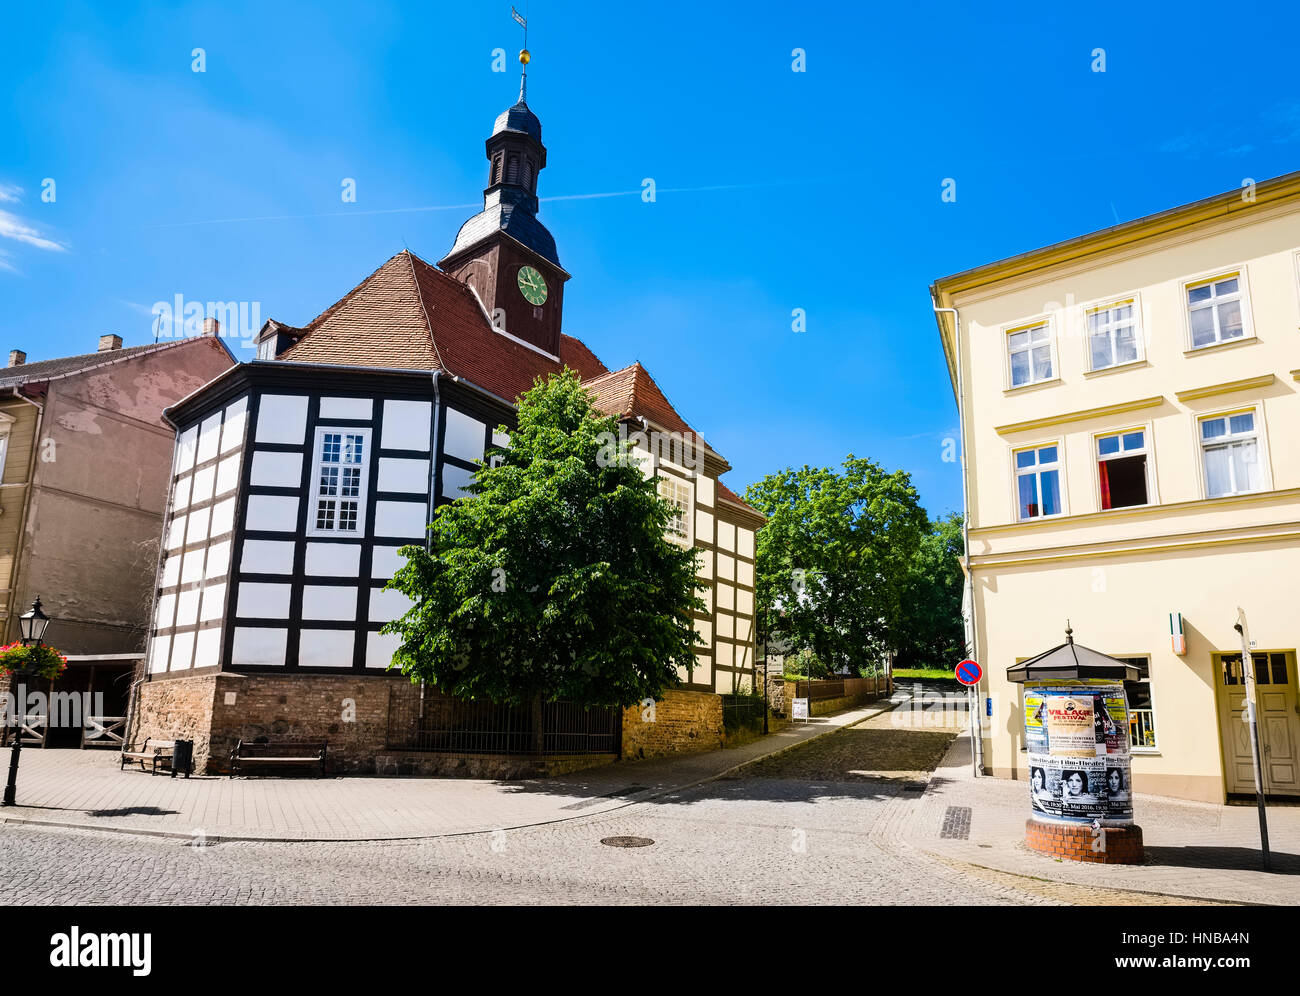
(504, 253)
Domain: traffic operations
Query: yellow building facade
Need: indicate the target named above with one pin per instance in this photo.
(1130, 410)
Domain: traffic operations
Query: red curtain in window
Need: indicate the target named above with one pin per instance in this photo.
(1105, 485)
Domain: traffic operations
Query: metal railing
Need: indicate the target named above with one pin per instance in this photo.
(1141, 728)
(421, 718)
(819, 688)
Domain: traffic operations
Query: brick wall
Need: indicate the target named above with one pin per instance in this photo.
(682, 723)
(174, 709)
(1073, 842)
(349, 711)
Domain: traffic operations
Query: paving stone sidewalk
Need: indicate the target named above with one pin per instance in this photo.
(1193, 849)
(84, 789)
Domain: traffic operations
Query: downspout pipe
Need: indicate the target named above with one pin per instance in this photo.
(17, 395)
(978, 759)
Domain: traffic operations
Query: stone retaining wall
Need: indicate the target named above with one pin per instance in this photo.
(680, 723)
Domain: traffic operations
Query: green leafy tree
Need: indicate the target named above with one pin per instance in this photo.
(931, 633)
(833, 559)
(553, 578)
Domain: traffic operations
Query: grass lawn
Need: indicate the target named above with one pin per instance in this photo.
(937, 673)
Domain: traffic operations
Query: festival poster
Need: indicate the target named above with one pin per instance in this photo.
(1071, 729)
(1113, 707)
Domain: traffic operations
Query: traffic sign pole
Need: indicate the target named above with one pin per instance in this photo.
(969, 673)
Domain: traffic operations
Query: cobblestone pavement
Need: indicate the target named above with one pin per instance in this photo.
(798, 831)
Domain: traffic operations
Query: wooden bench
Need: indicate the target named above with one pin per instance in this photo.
(278, 753)
(151, 751)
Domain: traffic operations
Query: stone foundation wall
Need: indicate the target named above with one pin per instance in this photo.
(484, 765)
(174, 709)
(349, 711)
(681, 723)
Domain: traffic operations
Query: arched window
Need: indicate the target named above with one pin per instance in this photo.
(512, 169)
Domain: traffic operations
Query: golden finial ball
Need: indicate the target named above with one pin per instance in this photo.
(524, 57)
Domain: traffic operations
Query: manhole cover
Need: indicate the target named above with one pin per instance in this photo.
(626, 841)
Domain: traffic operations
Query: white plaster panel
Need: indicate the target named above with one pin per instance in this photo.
(321, 601)
(258, 646)
(176, 534)
(182, 651)
(385, 562)
(214, 603)
(726, 655)
(232, 433)
(706, 595)
(263, 600)
(704, 563)
(703, 526)
(742, 655)
(396, 474)
(325, 648)
(705, 630)
(282, 418)
(171, 572)
(726, 625)
(197, 530)
(726, 597)
(745, 572)
(500, 438)
(164, 615)
(745, 542)
(209, 438)
(276, 513)
(207, 645)
(704, 490)
(203, 481)
(276, 470)
(181, 493)
(223, 518)
(745, 603)
(333, 560)
(727, 536)
(726, 567)
(187, 607)
(464, 436)
(218, 560)
(401, 518)
(186, 446)
(385, 606)
(227, 475)
(159, 650)
(192, 566)
(267, 557)
(406, 425)
(454, 480)
(380, 648)
(356, 409)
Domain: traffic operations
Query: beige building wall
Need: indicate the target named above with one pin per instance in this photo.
(1117, 574)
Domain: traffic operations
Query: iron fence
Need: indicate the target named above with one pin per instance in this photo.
(742, 710)
(421, 718)
(819, 689)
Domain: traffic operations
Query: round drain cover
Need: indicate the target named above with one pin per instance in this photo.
(626, 841)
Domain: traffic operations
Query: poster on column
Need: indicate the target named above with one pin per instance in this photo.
(1077, 741)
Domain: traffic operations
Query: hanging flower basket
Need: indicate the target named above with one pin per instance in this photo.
(38, 660)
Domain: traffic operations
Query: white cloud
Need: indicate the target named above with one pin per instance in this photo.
(13, 227)
(10, 193)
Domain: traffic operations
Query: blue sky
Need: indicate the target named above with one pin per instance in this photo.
(778, 190)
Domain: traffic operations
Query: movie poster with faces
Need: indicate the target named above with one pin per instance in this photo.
(1077, 741)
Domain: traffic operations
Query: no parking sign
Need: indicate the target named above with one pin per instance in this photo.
(969, 672)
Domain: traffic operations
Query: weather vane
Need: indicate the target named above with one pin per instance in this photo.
(524, 57)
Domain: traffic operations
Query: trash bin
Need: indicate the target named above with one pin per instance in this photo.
(183, 757)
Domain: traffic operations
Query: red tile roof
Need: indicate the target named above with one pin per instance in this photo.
(726, 494)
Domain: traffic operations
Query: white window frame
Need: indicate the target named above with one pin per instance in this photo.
(1242, 296)
(318, 464)
(1257, 434)
(4, 448)
(1148, 450)
(1112, 326)
(1036, 471)
(1049, 326)
(681, 494)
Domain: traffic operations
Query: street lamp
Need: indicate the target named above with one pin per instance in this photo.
(31, 626)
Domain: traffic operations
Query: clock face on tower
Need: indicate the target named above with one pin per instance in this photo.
(532, 285)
